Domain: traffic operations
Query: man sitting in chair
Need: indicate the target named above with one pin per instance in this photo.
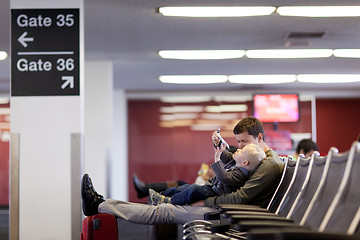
(258, 190)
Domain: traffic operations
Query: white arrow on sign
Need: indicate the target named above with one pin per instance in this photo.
(23, 39)
(68, 80)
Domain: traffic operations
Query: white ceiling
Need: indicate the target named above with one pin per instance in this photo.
(130, 33)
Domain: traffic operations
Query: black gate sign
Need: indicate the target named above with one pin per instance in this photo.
(44, 52)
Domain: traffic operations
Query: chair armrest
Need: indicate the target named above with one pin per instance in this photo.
(273, 218)
(245, 226)
(229, 214)
(240, 207)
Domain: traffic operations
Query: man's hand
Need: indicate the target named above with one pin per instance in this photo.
(198, 204)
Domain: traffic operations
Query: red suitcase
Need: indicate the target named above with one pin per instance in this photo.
(99, 227)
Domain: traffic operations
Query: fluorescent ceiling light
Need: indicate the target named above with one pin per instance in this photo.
(177, 116)
(3, 55)
(328, 78)
(193, 79)
(289, 53)
(185, 99)
(177, 109)
(227, 108)
(347, 53)
(320, 11)
(176, 123)
(201, 54)
(222, 116)
(235, 98)
(262, 79)
(223, 11)
(4, 100)
(204, 127)
(4, 111)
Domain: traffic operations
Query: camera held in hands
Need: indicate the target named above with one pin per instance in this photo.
(222, 141)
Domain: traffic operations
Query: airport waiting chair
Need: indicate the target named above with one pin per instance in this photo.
(309, 187)
(331, 214)
(302, 170)
(286, 182)
(287, 175)
(336, 186)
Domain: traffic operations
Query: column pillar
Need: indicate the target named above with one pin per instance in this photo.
(47, 116)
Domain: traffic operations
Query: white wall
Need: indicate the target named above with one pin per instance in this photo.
(98, 121)
(119, 170)
(106, 157)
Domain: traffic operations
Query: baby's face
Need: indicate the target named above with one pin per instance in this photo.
(239, 156)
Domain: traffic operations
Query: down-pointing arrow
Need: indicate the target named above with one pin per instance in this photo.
(23, 39)
(68, 80)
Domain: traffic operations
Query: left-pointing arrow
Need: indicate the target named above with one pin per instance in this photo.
(23, 39)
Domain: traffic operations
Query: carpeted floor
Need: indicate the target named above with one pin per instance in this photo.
(127, 230)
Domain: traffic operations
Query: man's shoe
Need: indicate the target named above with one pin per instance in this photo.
(90, 198)
(140, 187)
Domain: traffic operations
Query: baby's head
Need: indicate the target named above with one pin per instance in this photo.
(249, 156)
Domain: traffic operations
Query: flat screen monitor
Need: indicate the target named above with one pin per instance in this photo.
(276, 107)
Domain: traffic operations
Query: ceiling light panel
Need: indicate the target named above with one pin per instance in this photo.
(181, 109)
(185, 99)
(222, 11)
(328, 78)
(227, 108)
(289, 53)
(233, 98)
(222, 116)
(201, 54)
(204, 127)
(262, 79)
(3, 55)
(347, 53)
(178, 116)
(193, 79)
(319, 11)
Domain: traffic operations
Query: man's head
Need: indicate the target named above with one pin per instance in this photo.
(249, 156)
(249, 130)
(306, 147)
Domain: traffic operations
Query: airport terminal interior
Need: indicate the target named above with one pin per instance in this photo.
(138, 87)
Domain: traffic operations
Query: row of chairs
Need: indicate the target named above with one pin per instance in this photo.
(317, 198)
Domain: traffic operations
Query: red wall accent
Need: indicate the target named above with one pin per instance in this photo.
(4, 173)
(4, 160)
(338, 123)
(161, 154)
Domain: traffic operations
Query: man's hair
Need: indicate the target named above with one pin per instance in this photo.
(306, 145)
(254, 155)
(251, 125)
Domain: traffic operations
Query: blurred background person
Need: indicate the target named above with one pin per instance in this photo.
(306, 147)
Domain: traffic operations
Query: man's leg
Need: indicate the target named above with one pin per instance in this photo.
(150, 214)
(94, 203)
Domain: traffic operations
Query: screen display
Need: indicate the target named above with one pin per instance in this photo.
(276, 107)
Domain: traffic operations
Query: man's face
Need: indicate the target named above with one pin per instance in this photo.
(245, 138)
